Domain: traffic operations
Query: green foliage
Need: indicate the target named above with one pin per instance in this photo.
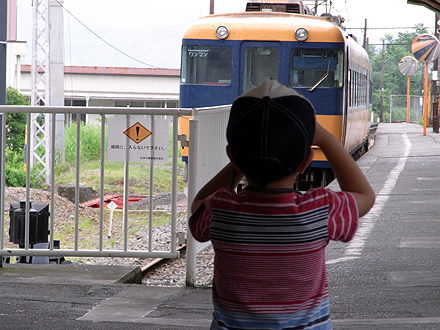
(15, 175)
(15, 122)
(395, 83)
(90, 143)
(15, 171)
(90, 152)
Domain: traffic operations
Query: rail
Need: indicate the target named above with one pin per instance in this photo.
(104, 113)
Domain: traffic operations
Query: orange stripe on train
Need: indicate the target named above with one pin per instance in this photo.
(263, 26)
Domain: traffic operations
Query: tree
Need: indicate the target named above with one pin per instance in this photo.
(395, 83)
(15, 122)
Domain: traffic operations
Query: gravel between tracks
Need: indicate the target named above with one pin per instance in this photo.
(172, 273)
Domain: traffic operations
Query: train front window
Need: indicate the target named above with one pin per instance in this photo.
(321, 67)
(206, 65)
(260, 63)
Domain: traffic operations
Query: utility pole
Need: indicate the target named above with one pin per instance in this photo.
(47, 81)
(382, 82)
(365, 45)
(435, 104)
(40, 72)
(211, 7)
(56, 82)
(3, 40)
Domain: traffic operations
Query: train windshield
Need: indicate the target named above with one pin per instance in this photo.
(260, 63)
(206, 65)
(313, 67)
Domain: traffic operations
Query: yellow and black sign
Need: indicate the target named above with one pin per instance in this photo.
(137, 132)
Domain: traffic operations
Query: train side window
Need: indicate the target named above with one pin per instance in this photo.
(206, 65)
(260, 63)
(309, 65)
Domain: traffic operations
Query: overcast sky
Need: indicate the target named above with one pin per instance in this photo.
(151, 31)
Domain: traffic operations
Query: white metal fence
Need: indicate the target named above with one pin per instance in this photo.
(207, 156)
(104, 114)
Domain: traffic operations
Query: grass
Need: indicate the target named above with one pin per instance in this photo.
(139, 177)
(90, 167)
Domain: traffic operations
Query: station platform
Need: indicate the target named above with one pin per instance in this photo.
(388, 278)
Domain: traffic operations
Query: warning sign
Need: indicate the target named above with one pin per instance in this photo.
(137, 133)
(138, 139)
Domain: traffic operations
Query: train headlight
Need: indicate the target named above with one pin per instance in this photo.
(301, 34)
(222, 32)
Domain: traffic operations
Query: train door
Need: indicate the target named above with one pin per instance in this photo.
(259, 61)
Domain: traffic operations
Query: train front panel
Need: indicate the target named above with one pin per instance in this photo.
(261, 45)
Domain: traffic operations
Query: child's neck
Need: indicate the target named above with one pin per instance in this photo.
(282, 186)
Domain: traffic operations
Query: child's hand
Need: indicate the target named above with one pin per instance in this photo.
(349, 175)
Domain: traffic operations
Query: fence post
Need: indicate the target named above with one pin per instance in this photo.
(435, 115)
(391, 107)
(191, 244)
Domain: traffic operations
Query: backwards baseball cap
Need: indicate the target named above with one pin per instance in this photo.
(270, 131)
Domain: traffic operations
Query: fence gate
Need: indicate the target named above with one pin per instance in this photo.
(133, 126)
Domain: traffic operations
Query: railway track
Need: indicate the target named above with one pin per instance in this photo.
(158, 262)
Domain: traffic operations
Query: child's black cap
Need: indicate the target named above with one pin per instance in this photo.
(270, 130)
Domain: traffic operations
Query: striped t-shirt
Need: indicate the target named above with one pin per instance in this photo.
(269, 267)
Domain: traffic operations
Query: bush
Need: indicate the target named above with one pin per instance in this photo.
(15, 122)
(15, 175)
(90, 147)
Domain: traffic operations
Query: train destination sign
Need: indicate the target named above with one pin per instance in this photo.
(144, 139)
(426, 48)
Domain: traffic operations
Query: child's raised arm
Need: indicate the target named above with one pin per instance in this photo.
(228, 177)
(349, 175)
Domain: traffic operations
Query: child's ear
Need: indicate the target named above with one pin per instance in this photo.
(231, 158)
(302, 167)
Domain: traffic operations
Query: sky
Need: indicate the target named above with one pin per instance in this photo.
(148, 33)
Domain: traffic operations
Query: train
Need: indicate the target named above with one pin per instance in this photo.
(224, 55)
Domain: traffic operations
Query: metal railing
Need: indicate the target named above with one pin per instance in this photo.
(104, 113)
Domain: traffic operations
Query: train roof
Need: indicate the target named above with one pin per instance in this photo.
(273, 26)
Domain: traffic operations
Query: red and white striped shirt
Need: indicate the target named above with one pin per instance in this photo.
(270, 254)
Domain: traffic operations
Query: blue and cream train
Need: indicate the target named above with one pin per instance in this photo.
(225, 55)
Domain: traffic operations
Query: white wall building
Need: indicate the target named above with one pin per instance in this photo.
(106, 86)
(110, 87)
(95, 86)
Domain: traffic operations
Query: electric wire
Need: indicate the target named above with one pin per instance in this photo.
(103, 40)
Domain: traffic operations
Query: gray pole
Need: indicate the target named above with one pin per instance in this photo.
(382, 82)
(56, 83)
(3, 38)
(365, 45)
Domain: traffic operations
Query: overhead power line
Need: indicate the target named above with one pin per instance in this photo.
(391, 28)
(103, 40)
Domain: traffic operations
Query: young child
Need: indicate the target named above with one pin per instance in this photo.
(269, 240)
